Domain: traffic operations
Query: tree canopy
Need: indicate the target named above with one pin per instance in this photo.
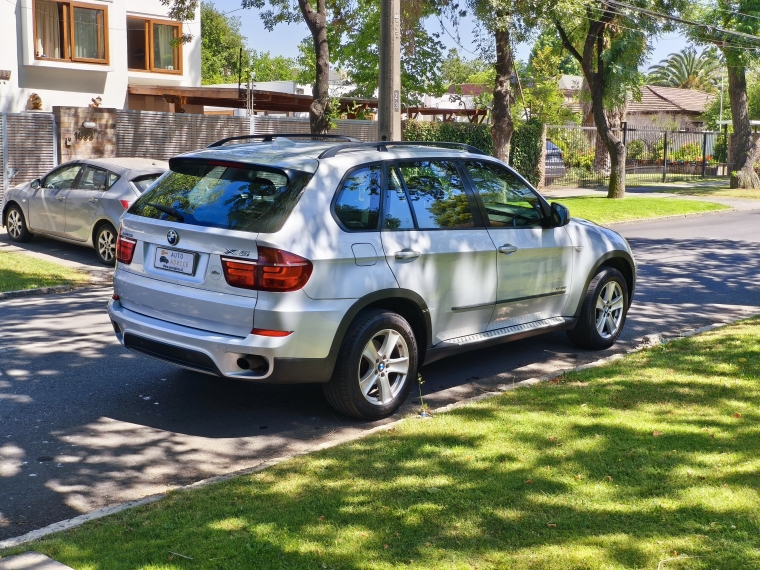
(456, 69)
(549, 43)
(221, 42)
(688, 69)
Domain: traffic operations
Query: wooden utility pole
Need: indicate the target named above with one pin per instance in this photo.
(389, 92)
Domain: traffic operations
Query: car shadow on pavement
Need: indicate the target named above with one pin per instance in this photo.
(85, 424)
(64, 252)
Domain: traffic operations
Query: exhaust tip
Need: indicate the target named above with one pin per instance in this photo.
(254, 363)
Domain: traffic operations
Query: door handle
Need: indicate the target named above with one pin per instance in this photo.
(407, 254)
(93, 199)
(507, 249)
(60, 198)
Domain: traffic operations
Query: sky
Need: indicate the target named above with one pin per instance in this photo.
(284, 39)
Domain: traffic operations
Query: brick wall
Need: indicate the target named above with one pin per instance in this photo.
(74, 141)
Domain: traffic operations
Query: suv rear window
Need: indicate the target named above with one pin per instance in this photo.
(228, 196)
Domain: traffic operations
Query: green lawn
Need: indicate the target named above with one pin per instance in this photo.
(653, 457)
(19, 271)
(602, 210)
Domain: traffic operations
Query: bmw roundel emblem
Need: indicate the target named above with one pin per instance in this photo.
(172, 237)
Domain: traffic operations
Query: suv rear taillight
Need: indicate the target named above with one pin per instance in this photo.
(125, 249)
(275, 270)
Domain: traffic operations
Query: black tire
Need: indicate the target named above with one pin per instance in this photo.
(105, 244)
(15, 224)
(585, 334)
(343, 391)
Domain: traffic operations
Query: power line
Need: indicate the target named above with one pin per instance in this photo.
(706, 39)
(709, 28)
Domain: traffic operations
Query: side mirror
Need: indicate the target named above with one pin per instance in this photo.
(35, 184)
(560, 215)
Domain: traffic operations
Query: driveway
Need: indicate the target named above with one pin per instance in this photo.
(85, 424)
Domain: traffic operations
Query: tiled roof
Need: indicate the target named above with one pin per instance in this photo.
(656, 99)
(469, 89)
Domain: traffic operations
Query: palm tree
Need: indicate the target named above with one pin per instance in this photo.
(688, 70)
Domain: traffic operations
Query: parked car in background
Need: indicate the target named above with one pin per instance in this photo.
(352, 264)
(554, 163)
(80, 202)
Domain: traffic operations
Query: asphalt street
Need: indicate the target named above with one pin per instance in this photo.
(86, 424)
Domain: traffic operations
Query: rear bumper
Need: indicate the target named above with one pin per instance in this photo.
(214, 353)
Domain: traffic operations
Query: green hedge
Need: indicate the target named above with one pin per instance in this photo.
(525, 148)
(468, 133)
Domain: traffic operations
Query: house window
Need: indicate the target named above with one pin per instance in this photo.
(70, 31)
(152, 46)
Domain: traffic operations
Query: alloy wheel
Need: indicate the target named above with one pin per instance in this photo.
(15, 224)
(609, 309)
(383, 367)
(106, 245)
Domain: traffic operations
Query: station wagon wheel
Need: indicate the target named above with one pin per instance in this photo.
(375, 367)
(609, 310)
(16, 224)
(383, 367)
(105, 244)
(603, 312)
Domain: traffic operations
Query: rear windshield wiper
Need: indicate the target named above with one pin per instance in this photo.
(168, 210)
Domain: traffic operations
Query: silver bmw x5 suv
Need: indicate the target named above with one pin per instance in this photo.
(352, 264)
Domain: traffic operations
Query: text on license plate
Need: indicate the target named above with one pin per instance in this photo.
(175, 260)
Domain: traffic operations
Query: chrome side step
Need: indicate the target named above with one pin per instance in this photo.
(515, 329)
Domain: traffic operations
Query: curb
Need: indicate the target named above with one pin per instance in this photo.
(650, 340)
(49, 291)
(690, 215)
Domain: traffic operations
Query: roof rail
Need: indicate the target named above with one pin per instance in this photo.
(272, 136)
(381, 146)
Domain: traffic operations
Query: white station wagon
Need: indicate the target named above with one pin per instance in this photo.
(352, 264)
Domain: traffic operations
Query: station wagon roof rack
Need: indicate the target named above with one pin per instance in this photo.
(382, 146)
(272, 136)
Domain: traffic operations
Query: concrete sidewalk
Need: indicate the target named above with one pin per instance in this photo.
(31, 561)
(662, 191)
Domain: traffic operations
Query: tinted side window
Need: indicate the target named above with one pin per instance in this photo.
(437, 194)
(508, 201)
(398, 213)
(93, 179)
(358, 202)
(112, 178)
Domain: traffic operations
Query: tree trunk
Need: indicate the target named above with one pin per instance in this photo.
(744, 152)
(502, 127)
(319, 111)
(594, 76)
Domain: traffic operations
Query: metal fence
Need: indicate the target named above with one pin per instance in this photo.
(152, 134)
(576, 155)
(27, 147)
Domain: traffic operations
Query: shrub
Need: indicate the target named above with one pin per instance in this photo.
(689, 152)
(636, 150)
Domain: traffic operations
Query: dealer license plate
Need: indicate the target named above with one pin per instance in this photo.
(175, 260)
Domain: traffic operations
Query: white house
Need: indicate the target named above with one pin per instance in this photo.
(68, 53)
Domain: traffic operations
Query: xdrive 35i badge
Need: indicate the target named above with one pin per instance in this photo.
(172, 237)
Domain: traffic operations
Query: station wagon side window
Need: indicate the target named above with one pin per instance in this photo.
(398, 211)
(437, 194)
(357, 205)
(509, 202)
